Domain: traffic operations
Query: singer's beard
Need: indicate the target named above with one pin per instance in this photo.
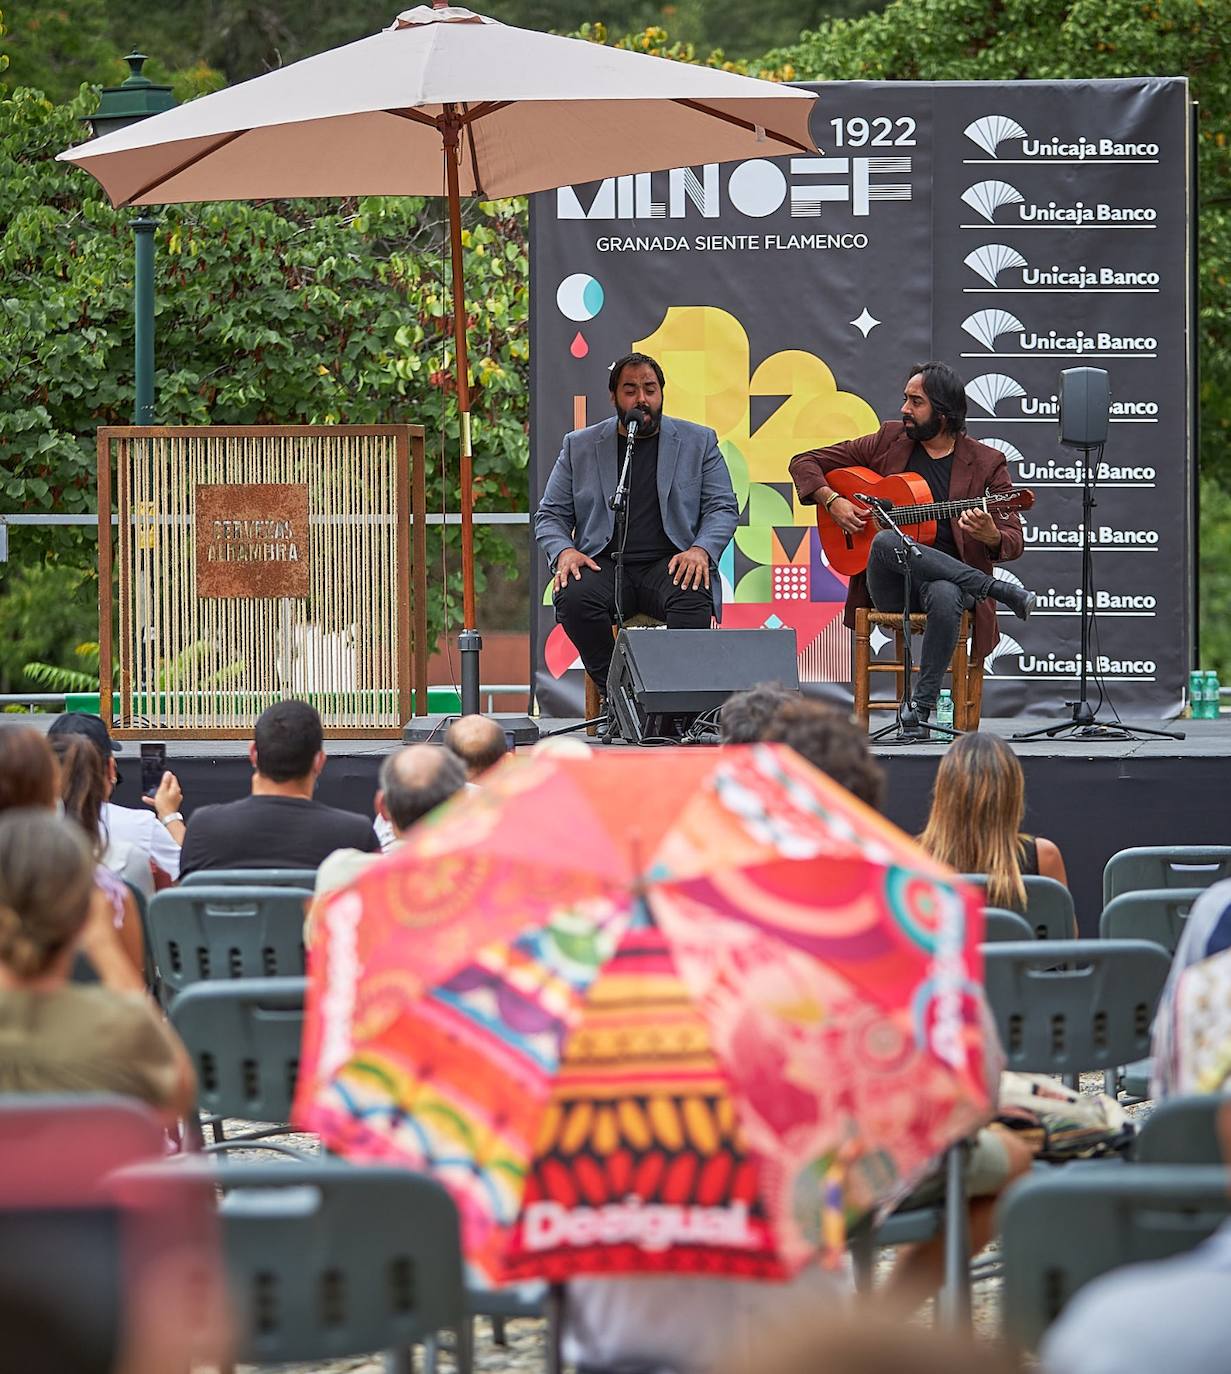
(922, 433)
(644, 431)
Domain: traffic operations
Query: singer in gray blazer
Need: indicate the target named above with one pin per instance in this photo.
(682, 513)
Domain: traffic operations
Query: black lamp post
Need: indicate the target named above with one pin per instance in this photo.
(136, 99)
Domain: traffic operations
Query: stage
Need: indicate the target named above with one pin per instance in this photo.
(1092, 798)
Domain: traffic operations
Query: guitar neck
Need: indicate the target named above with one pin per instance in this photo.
(941, 510)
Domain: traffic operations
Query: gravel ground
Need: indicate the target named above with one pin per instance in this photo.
(525, 1349)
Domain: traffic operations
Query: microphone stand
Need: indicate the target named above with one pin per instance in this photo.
(907, 728)
(619, 504)
(1084, 722)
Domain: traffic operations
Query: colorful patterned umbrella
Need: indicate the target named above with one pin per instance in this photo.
(634, 1009)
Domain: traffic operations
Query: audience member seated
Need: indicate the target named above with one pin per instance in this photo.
(59, 1037)
(1170, 1314)
(832, 742)
(479, 742)
(152, 836)
(29, 771)
(1192, 1026)
(978, 802)
(413, 781)
(279, 825)
(745, 715)
(83, 785)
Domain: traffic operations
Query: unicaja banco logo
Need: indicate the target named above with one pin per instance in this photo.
(991, 388)
(990, 260)
(991, 130)
(986, 326)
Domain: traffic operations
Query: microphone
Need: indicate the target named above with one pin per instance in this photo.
(877, 502)
(636, 418)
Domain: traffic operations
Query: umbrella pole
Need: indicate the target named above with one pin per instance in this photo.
(469, 642)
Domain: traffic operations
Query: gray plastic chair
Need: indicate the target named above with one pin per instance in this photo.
(251, 877)
(1001, 925)
(1049, 905)
(1181, 1130)
(1156, 914)
(200, 933)
(1093, 1013)
(326, 1260)
(1063, 1228)
(243, 1038)
(1165, 866)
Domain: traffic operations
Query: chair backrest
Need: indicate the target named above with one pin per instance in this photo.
(1181, 1130)
(1000, 925)
(243, 1038)
(204, 933)
(1156, 914)
(73, 1253)
(251, 877)
(1158, 866)
(1064, 1006)
(1063, 1228)
(1049, 905)
(326, 1260)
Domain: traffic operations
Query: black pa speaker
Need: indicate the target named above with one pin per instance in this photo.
(1085, 406)
(657, 672)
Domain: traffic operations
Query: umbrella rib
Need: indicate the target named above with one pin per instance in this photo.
(467, 123)
(417, 117)
(704, 109)
(192, 161)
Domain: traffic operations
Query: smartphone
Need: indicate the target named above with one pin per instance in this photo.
(510, 740)
(153, 766)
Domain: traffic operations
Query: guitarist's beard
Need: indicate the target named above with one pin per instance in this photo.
(921, 433)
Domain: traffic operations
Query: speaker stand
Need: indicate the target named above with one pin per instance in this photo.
(1085, 723)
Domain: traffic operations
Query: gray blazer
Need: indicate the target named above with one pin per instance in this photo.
(694, 492)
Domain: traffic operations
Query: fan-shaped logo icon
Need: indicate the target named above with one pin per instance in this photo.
(988, 325)
(991, 388)
(1004, 645)
(992, 259)
(992, 130)
(986, 197)
(1010, 451)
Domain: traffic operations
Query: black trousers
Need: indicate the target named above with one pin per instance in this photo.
(586, 608)
(941, 586)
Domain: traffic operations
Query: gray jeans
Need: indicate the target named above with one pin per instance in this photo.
(941, 586)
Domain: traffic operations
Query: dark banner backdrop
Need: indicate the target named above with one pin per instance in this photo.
(1012, 229)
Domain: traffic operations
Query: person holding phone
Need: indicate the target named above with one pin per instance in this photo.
(157, 834)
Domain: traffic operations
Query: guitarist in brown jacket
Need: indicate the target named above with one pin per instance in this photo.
(955, 573)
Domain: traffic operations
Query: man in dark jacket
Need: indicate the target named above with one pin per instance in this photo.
(955, 574)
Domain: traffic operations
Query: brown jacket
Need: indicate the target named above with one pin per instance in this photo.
(976, 469)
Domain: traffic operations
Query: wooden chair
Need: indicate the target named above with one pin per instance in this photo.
(632, 622)
(966, 673)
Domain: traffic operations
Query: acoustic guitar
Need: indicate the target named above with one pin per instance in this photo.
(910, 499)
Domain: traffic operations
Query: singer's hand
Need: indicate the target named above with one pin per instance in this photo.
(690, 568)
(570, 564)
(980, 525)
(847, 515)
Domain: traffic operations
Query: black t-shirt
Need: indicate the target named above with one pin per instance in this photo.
(647, 540)
(271, 832)
(936, 472)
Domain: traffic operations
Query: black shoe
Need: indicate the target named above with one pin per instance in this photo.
(1020, 601)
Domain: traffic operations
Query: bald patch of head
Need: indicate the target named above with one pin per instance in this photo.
(478, 741)
(417, 779)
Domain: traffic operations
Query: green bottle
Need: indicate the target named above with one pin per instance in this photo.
(1212, 689)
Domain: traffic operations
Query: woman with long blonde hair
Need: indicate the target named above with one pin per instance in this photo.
(978, 803)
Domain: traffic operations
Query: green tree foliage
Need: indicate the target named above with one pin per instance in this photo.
(1009, 40)
(289, 312)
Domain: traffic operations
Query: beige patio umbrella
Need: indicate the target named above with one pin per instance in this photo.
(508, 111)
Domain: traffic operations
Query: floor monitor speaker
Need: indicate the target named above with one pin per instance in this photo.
(661, 672)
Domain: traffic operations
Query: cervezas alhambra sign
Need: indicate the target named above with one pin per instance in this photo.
(252, 540)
